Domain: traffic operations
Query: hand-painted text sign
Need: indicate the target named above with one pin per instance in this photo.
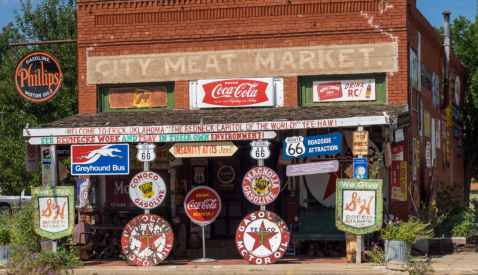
(261, 185)
(298, 147)
(38, 77)
(311, 168)
(55, 211)
(147, 190)
(344, 90)
(251, 92)
(100, 159)
(203, 149)
(153, 138)
(202, 205)
(359, 205)
(262, 238)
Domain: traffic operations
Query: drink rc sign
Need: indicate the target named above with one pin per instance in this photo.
(202, 205)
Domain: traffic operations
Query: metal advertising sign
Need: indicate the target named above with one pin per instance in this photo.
(55, 211)
(202, 205)
(260, 149)
(146, 152)
(403, 120)
(344, 90)
(459, 151)
(147, 190)
(147, 240)
(226, 174)
(399, 180)
(203, 149)
(261, 185)
(220, 93)
(262, 238)
(199, 169)
(295, 147)
(428, 154)
(359, 205)
(38, 77)
(312, 168)
(360, 168)
(456, 114)
(32, 157)
(100, 159)
(360, 143)
(47, 166)
(397, 152)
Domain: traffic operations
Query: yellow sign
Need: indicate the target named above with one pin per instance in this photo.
(427, 122)
(203, 149)
(449, 119)
(403, 179)
(360, 146)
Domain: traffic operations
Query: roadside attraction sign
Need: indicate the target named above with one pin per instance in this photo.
(261, 185)
(54, 211)
(100, 159)
(359, 205)
(202, 205)
(147, 240)
(203, 149)
(147, 190)
(262, 238)
(298, 146)
(38, 77)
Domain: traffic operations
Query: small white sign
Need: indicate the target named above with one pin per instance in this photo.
(146, 152)
(54, 214)
(358, 208)
(260, 149)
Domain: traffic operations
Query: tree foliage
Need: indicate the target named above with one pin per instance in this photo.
(48, 20)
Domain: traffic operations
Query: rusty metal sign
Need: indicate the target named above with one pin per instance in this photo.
(262, 238)
(359, 205)
(147, 240)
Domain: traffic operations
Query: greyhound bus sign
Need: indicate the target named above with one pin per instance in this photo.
(100, 159)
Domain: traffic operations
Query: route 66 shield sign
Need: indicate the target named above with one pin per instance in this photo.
(260, 149)
(146, 152)
(294, 146)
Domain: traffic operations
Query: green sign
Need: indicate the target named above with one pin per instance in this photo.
(359, 205)
(54, 211)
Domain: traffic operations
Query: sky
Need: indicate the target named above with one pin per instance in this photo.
(431, 9)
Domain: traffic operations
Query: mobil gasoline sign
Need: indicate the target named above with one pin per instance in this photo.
(100, 159)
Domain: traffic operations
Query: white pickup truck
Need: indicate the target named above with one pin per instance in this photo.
(8, 202)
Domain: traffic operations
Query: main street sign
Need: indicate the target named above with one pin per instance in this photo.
(100, 159)
(203, 149)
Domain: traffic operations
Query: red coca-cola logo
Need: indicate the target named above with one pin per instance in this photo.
(235, 92)
(202, 205)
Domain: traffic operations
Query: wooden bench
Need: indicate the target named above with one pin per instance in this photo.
(316, 224)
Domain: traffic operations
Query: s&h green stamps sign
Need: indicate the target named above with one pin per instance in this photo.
(54, 211)
(359, 205)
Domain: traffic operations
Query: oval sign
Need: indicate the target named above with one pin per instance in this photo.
(226, 174)
(147, 190)
(147, 240)
(38, 77)
(262, 238)
(202, 205)
(261, 185)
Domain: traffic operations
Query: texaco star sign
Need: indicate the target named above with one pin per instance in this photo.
(262, 238)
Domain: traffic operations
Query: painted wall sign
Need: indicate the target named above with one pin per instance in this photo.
(397, 152)
(261, 185)
(203, 149)
(456, 114)
(147, 240)
(147, 190)
(100, 159)
(250, 92)
(360, 146)
(55, 211)
(226, 174)
(146, 152)
(426, 77)
(312, 168)
(32, 157)
(154, 138)
(294, 147)
(344, 90)
(260, 149)
(262, 238)
(359, 205)
(360, 168)
(202, 205)
(38, 77)
(242, 63)
(398, 181)
(133, 98)
(206, 128)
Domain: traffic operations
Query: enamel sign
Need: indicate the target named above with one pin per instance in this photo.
(146, 152)
(344, 90)
(298, 147)
(147, 190)
(202, 205)
(260, 149)
(262, 238)
(261, 185)
(100, 159)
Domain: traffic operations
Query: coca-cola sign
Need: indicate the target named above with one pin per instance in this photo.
(235, 93)
(202, 205)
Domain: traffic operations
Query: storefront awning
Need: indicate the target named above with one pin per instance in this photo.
(174, 125)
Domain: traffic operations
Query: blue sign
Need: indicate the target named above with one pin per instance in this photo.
(360, 168)
(459, 151)
(100, 159)
(456, 132)
(299, 147)
(456, 114)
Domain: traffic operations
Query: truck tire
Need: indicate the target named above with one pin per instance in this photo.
(5, 211)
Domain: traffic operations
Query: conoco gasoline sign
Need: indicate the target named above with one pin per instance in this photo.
(38, 77)
(147, 190)
(202, 205)
(261, 185)
(147, 240)
(262, 238)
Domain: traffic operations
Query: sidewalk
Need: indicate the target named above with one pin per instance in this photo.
(463, 263)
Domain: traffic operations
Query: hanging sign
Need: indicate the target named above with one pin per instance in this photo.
(100, 159)
(344, 90)
(226, 174)
(147, 190)
(147, 240)
(311, 168)
(360, 146)
(262, 238)
(38, 77)
(295, 147)
(359, 205)
(31, 157)
(202, 205)
(55, 211)
(260, 149)
(261, 185)
(146, 152)
(203, 149)
(360, 168)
